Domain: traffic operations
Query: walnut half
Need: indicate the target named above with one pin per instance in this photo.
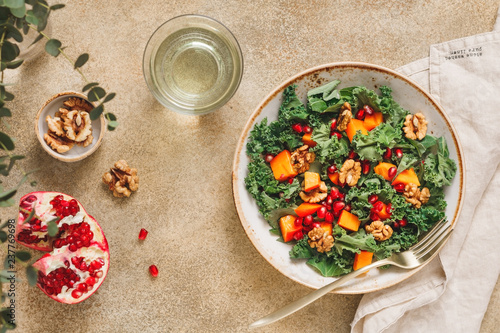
(121, 179)
(415, 126)
(301, 158)
(379, 230)
(320, 239)
(417, 197)
(350, 172)
(316, 195)
(345, 116)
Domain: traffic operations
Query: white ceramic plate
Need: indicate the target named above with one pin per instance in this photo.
(76, 153)
(411, 97)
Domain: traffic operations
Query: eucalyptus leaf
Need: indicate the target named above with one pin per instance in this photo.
(3, 236)
(110, 116)
(109, 97)
(14, 64)
(7, 203)
(96, 93)
(31, 18)
(9, 51)
(96, 112)
(56, 7)
(13, 32)
(89, 85)
(23, 255)
(112, 125)
(52, 47)
(8, 96)
(8, 194)
(14, 3)
(82, 59)
(32, 275)
(6, 142)
(52, 228)
(4, 112)
(19, 12)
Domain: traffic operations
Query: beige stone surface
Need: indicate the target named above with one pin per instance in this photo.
(211, 278)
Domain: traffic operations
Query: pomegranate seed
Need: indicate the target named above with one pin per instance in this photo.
(331, 169)
(328, 207)
(341, 196)
(142, 234)
(316, 225)
(333, 125)
(99, 274)
(347, 207)
(308, 219)
(329, 200)
(372, 198)
(395, 225)
(388, 208)
(399, 187)
(75, 294)
(403, 223)
(73, 248)
(352, 155)
(82, 287)
(360, 114)
(268, 158)
(329, 217)
(374, 217)
(388, 153)
(307, 228)
(337, 134)
(368, 110)
(321, 212)
(337, 213)
(153, 270)
(90, 281)
(334, 193)
(298, 221)
(298, 235)
(392, 172)
(307, 129)
(366, 167)
(290, 180)
(378, 206)
(338, 206)
(297, 128)
(398, 152)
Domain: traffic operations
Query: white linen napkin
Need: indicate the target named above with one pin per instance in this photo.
(451, 293)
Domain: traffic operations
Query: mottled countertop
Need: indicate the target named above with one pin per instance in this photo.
(211, 277)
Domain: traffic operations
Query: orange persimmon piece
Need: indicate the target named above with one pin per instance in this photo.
(372, 121)
(282, 166)
(383, 169)
(353, 126)
(311, 180)
(307, 140)
(327, 227)
(288, 227)
(307, 209)
(383, 214)
(362, 259)
(334, 177)
(406, 177)
(349, 221)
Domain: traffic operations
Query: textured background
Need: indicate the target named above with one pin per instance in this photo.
(211, 277)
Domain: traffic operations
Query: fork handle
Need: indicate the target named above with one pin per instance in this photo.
(311, 297)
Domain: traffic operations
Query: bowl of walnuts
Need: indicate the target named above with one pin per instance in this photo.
(64, 128)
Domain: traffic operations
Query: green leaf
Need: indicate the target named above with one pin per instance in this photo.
(23, 256)
(52, 228)
(6, 142)
(90, 85)
(109, 97)
(13, 32)
(14, 3)
(32, 275)
(3, 236)
(19, 12)
(8, 194)
(4, 112)
(31, 18)
(96, 93)
(112, 125)
(9, 51)
(52, 47)
(14, 64)
(96, 112)
(82, 59)
(110, 116)
(56, 7)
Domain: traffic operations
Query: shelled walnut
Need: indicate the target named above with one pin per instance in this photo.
(301, 158)
(320, 239)
(70, 125)
(350, 172)
(415, 126)
(121, 179)
(345, 116)
(315, 195)
(417, 197)
(379, 230)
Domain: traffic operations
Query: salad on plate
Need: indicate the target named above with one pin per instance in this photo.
(347, 177)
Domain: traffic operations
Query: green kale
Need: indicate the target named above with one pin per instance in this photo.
(363, 96)
(328, 148)
(354, 242)
(302, 250)
(394, 114)
(372, 146)
(291, 109)
(334, 265)
(439, 169)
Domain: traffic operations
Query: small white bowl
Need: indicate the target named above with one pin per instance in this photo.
(77, 153)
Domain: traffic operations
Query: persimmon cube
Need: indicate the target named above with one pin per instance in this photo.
(349, 221)
(307, 140)
(311, 180)
(282, 166)
(383, 169)
(353, 126)
(406, 177)
(362, 259)
(307, 209)
(288, 227)
(372, 121)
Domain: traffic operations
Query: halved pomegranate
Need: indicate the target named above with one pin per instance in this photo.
(79, 262)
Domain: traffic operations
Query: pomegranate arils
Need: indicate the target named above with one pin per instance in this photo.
(338, 205)
(329, 217)
(298, 221)
(368, 110)
(290, 181)
(308, 219)
(388, 208)
(297, 128)
(378, 206)
(316, 225)
(374, 216)
(337, 134)
(334, 193)
(360, 114)
(329, 200)
(372, 198)
(399, 187)
(268, 158)
(307, 129)
(392, 172)
(398, 152)
(142, 234)
(298, 235)
(153, 270)
(403, 223)
(395, 225)
(331, 169)
(347, 207)
(333, 125)
(321, 213)
(388, 153)
(365, 167)
(352, 154)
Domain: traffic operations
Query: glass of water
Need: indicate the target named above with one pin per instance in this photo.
(192, 64)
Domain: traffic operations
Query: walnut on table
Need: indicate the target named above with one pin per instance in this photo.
(350, 172)
(345, 116)
(417, 197)
(415, 126)
(379, 230)
(316, 195)
(121, 179)
(320, 239)
(302, 158)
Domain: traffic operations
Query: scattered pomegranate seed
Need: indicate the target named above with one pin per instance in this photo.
(321, 213)
(337, 134)
(282, 176)
(403, 223)
(329, 200)
(374, 217)
(298, 221)
(352, 155)
(290, 180)
(316, 225)
(334, 193)
(328, 207)
(347, 207)
(392, 172)
(307, 129)
(153, 270)
(388, 153)
(360, 114)
(331, 169)
(395, 225)
(372, 198)
(399, 187)
(388, 208)
(308, 219)
(297, 128)
(333, 125)
(365, 167)
(268, 158)
(337, 213)
(298, 235)
(368, 110)
(378, 206)
(142, 234)
(338, 205)
(398, 152)
(329, 217)
(341, 196)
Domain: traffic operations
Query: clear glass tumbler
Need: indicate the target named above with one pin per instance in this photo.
(192, 64)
